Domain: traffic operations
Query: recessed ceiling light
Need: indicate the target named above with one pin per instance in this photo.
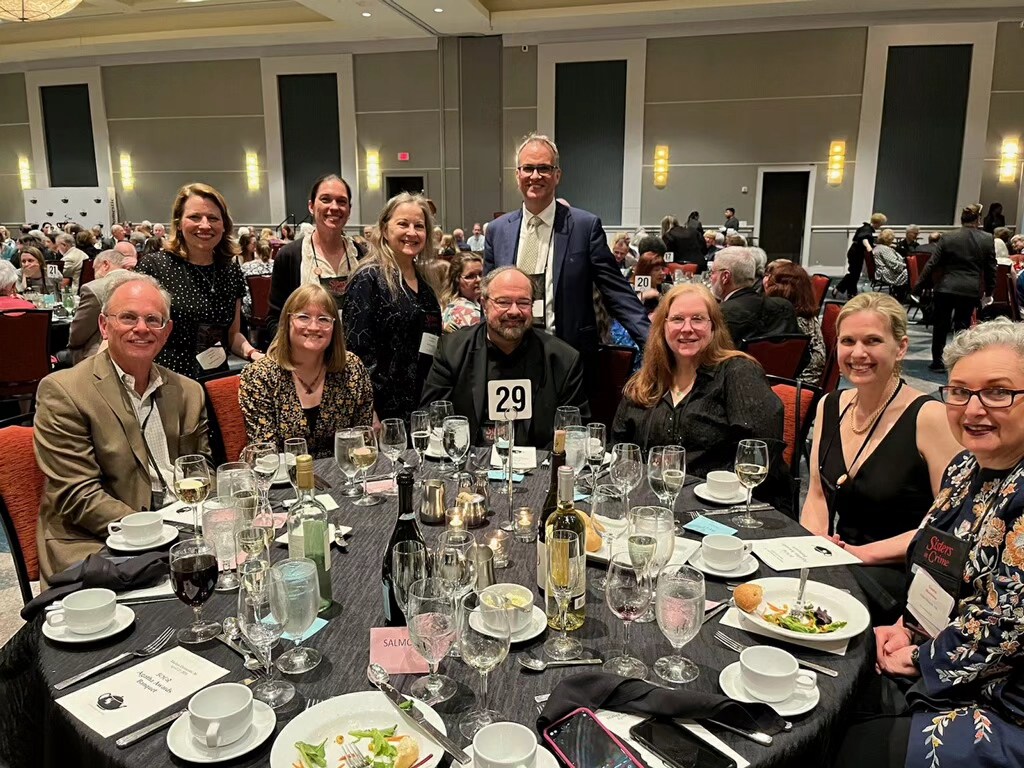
(367, 14)
(439, 10)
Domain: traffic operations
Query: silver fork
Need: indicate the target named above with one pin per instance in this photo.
(312, 702)
(147, 650)
(736, 645)
(355, 758)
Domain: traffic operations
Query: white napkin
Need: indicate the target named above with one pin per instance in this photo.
(163, 589)
(732, 618)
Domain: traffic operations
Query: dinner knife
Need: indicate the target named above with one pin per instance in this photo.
(141, 733)
(397, 700)
(717, 610)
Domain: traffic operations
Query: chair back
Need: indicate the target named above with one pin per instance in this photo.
(615, 365)
(259, 290)
(21, 491)
(783, 355)
(798, 401)
(672, 268)
(24, 351)
(921, 257)
(829, 314)
(1011, 292)
(87, 275)
(1000, 294)
(869, 261)
(689, 269)
(227, 425)
(819, 287)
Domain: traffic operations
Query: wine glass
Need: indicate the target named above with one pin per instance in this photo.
(455, 440)
(504, 444)
(302, 590)
(262, 616)
(408, 565)
(565, 416)
(484, 637)
(392, 443)
(293, 448)
(431, 620)
(576, 438)
(659, 524)
(666, 473)
(264, 461)
(419, 425)
(192, 484)
(679, 604)
(751, 468)
(626, 468)
(597, 437)
(363, 455)
(628, 594)
(439, 411)
(193, 577)
(345, 440)
(221, 521)
(565, 569)
(237, 480)
(452, 562)
(608, 507)
(251, 544)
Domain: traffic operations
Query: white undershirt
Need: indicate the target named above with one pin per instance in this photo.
(147, 413)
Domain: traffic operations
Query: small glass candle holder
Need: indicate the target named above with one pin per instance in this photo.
(499, 543)
(454, 519)
(526, 525)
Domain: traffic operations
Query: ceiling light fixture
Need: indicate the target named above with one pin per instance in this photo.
(35, 10)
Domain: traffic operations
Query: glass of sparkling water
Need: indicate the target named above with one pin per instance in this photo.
(222, 520)
(679, 605)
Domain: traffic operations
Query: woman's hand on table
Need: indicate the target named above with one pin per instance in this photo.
(899, 663)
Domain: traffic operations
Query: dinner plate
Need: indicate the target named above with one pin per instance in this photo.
(731, 682)
(167, 534)
(349, 712)
(544, 758)
(538, 623)
(746, 567)
(183, 744)
(123, 618)
(701, 489)
(781, 591)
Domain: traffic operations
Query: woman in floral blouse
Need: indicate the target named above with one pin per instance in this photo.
(965, 703)
(462, 299)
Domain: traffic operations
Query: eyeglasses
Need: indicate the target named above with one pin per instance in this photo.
(697, 322)
(130, 320)
(471, 277)
(993, 397)
(323, 322)
(541, 170)
(504, 304)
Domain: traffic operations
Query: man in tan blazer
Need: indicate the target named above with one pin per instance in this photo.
(103, 455)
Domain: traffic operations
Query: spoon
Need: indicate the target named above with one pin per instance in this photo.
(536, 665)
(340, 540)
(234, 633)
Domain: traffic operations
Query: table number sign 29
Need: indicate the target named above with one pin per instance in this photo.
(509, 399)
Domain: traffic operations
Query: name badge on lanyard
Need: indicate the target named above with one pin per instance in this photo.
(937, 563)
(539, 304)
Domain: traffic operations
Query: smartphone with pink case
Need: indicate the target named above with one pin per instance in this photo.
(580, 740)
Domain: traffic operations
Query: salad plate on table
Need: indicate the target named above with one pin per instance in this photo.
(830, 613)
(365, 720)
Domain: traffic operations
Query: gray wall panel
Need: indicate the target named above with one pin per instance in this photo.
(154, 194)
(181, 144)
(1007, 72)
(516, 124)
(481, 118)
(183, 88)
(519, 77)
(15, 142)
(12, 97)
(396, 81)
(416, 132)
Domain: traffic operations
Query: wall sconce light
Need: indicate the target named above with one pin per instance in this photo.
(1009, 160)
(252, 171)
(372, 169)
(127, 174)
(24, 173)
(660, 166)
(836, 163)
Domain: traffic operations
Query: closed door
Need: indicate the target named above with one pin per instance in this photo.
(783, 214)
(398, 184)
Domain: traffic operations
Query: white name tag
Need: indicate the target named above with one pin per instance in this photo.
(929, 603)
(214, 357)
(509, 399)
(538, 308)
(669, 257)
(428, 344)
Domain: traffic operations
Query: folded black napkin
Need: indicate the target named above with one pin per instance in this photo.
(600, 690)
(119, 574)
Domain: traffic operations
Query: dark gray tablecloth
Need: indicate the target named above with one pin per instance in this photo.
(38, 732)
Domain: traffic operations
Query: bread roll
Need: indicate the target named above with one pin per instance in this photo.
(748, 597)
(408, 752)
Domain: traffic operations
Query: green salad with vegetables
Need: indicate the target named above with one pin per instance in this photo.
(813, 620)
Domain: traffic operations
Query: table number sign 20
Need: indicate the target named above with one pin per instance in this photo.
(509, 399)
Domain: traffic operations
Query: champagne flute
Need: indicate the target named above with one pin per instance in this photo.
(345, 440)
(658, 523)
(392, 442)
(302, 590)
(565, 563)
(221, 521)
(455, 440)
(192, 484)
(565, 416)
(293, 448)
(431, 619)
(504, 444)
(364, 455)
(597, 435)
(484, 638)
(419, 425)
(453, 563)
(262, 616)
(666, 473)
(751, 468)
(408, 565)
(628, 594)
(439, 411)
(608, 507)
(264, 461)
(679, 604)
(576, 439)
(626, 468)
(193, 577)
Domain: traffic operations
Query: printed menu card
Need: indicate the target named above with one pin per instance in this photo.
(135, 694)
(790, 553)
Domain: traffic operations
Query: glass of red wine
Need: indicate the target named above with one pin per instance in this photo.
(193, 577)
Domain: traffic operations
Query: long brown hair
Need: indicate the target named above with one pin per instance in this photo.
(654, 379)
(791, 282)
(227, 248)
(281, 347)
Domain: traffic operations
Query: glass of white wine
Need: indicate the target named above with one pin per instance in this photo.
(363, 455)
(192, 484)
(484, 638)
(659, 524)
(293, 448)
(565, 564)
(666, 472)
(419, 426)
(345, 440)
(751, 468)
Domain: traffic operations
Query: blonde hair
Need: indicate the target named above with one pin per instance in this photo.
(886, 237)
(878, 220)
(305, 295)
(891, 311)
(382, 257)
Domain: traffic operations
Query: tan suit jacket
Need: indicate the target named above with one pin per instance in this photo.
(84, 338)
(90, 447)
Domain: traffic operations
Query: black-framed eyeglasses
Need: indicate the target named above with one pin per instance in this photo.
(541, 170)
(990, 397)
(131, 319)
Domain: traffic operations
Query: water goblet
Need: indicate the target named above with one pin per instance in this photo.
(455, 440)
(221, 521)
(431, 619)
(345, 440)
(439, 411)
(626, 468)
(576, 438)
(628, 594)
(659, 524)
(264, 461)
(408, 565)
(452, 562)
(679, 605)
(262, 616)
(666, 473)
(392, 442)
(302, 590)
(597, 437)
(293, 448)
(565, 416)
(608, 507)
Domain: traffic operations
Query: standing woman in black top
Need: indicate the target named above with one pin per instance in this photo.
(199, 270)
(392, 317)
(862, 243)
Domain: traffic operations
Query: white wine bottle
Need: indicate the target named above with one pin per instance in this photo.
(308, 529)
(567, 518)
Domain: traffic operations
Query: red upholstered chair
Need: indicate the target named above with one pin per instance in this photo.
(671, 269)
(784, 355)
(819, 286)
(24, 352)
(869, 262)
(798, 401)
(227, 425)
(1011, 292)
(605, 391)
(830, 335)
(21, 491)
(259, 290)
(689, 269)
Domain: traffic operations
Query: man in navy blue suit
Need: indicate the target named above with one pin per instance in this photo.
(565, 251)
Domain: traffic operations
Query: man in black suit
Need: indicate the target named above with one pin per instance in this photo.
(748, 314)
(506, 346)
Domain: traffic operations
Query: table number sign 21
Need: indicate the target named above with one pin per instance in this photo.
(509, 399)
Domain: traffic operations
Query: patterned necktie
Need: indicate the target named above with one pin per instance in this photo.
(531, 247)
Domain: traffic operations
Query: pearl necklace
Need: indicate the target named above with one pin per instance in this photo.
(874, 416)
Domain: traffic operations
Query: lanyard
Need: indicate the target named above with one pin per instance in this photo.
(845, 477)
(316, 259)
(145, 442)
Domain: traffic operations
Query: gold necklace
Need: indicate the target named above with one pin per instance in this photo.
(874, 416)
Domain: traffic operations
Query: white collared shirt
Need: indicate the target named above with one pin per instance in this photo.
(476, 242)
(147, 412)
(545, 257)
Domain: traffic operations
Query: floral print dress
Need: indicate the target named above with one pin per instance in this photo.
(972, 673)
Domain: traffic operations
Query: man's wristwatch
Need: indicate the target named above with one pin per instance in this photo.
(915, 656)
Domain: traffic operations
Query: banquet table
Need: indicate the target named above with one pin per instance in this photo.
(39, 732)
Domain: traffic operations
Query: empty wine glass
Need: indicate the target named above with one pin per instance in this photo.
(576, 438)
(345, 440)
(392, 442)
(439, 411)
(264, 461)
(193, 577)
(608, 507)
(679, 604)
(237, 480)
(628, 594)
(565, 570)
(484, 638)
(221, 521)
(626, 468)
(293, 448)
(504, 445)
(262, 616)
(565, 416)
(364, 455)
(452, 562)
(192, 484)
(408, 565)
(455, 441)
(299, 578)
(419, 425)
(666, 473)
(751, 468)
(597, 437)
(659, 524)
(431, 620)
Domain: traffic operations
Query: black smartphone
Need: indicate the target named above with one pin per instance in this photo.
(677, 746)
(580, 740)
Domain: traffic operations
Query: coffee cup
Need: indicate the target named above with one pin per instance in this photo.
(722, 484)
(138, 528)
(771, 674)
(221, 714)
(85, 612)
(504, 745)
(518, 605)
(724, 552)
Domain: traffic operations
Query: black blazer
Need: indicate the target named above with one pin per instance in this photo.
(967, 260)
(749, 315)
(687, 247)
(459, 374)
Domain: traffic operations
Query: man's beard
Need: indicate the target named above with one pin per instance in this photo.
(511, 332)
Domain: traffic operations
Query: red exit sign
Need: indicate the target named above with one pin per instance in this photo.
(403, 157)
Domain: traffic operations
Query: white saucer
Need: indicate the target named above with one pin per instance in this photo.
(182, 744)
(544, 758)
(432, 453)
(167, 535)
(746, 567)
(703, 493)
(797, 704)
(538, 623)
(123, 618)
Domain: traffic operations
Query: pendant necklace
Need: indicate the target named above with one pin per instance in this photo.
(310, 387)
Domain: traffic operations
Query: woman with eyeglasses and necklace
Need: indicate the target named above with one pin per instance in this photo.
(308, 385)
(878, 452)
(462, 303)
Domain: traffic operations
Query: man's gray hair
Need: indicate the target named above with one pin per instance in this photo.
(111, 256)
(123, 277)
(537, 138)
(760, 259)
(740, 262)
(137, 237)
(1001, 332)
(485, 286)
(65, 239)
(8, 276)
(719, 239)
